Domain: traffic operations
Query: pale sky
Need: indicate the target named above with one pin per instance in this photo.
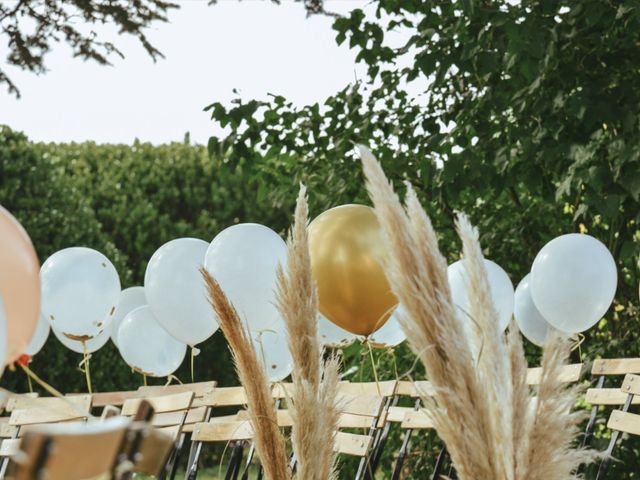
(254, 46)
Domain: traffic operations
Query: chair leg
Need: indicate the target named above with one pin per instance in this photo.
(192, 467)
(381, 441)
(604, 465)
(234, 462)
(588, 433)
(397, 470)
(437, 469)
(176, 458)
(245, 472)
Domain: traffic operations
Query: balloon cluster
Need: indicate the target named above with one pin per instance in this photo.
(572, 283)
(78, 295)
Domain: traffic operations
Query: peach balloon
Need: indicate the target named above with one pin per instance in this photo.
(19, 284)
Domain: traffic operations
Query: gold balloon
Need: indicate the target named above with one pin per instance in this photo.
(347, 252)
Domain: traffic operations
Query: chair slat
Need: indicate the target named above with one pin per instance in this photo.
(352, 444)
(385, 388)
(164, 403)
(199, 389)
(417, 420)
(396, 414)
(608, 396)
(166, 419)
(51, 410)
(9, 447)
(415, 389)
(102, 399)
(624, 422)
(222, 431)
(615, 366)
(631, 384)
(569, 374)
(21, 402)
(225, 397)
(368, 405)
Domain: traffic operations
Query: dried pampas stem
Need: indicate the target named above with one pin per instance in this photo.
(313, 406)
(268, 439)
(482, 407)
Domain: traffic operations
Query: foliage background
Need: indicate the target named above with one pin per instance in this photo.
(526, 117)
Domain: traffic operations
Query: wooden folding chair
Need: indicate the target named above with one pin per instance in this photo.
(170, 414)
(601, 396)
(622, 420)
(219, 397)
(72, 451)
(358, 412)
(420, 419)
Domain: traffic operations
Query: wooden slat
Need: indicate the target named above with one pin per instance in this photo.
(615, 366)
(199, 389)
(222, 431)
(21, 402)
(419, 388)
(9, 447)
(368, 405)
(6, 395)
(631, 384)
(352, 444)
(8, 431)
(102, 399)
(397, 414)
(173, 431)
(418, 419)
(282, 390)
(624, 422)
(54, 410)
(570, 374)
(608, 396)
(166, 419)
(164, 403)
(225, 397)
(384, 389)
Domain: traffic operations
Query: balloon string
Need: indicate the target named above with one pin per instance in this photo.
(578, 345)
(392, 352)
(87, 367)
(29, 382)
(373, 365)
(171, 378)
(52, 391)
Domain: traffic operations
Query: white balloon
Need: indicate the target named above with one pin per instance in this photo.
(272, 349)
(3, 336)
(146, 346)
(331, 335)
(176, 292)
(573, 281)
(530, 321)
(39, 336)
(80, 289)
(130, 299)
(499, 283)
(390, 334)
(243, 259)
(92, 345)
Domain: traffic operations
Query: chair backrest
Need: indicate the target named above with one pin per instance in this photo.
(625, 421)
(607, 367)
(568, 374)
(386, 388)
(71, 451)
(171, 411)
(117, 399)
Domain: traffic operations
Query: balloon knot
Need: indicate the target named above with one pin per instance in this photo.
(195, 351)
(24, 359)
